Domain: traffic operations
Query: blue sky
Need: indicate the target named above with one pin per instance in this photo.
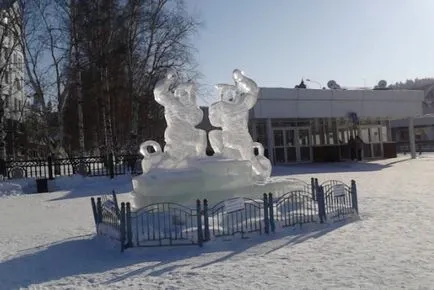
(278, 42)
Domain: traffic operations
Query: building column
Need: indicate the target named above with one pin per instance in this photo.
(335, 131)
(270, 140)
(380, 131)
(411, 137)
(321, 130)
(389, 132)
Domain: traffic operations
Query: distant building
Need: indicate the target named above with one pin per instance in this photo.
(12, 80)
(423, 126)
(306, 125)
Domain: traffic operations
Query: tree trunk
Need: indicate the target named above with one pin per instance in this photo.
(80, 114)
(3, 154)
(108, 116)
(78, 89)
(133, 146)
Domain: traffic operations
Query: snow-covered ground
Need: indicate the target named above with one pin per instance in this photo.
(47, 241)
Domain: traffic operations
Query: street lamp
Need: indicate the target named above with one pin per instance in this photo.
(312, 81)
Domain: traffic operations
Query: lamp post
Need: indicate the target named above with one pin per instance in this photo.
(312, 81)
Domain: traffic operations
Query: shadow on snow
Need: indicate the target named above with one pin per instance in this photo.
(93, 186)
(90, 255)
(333, 167)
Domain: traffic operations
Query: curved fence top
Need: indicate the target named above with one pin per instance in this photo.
(247, 200)
(162, 206)
(303, 193)
(332, 182)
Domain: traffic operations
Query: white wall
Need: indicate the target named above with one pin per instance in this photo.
(424, 121)
(307, 103)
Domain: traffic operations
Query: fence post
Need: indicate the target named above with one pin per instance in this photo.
(199, 224)
(122, 227)
(115, 201)
(99, 209)
(50, 167)
(95, 214)
(205, 220)
(354, 199)
(271, 212)
(111, 166)
(321, 203)
(266, 217)
(129, 226)
(3, 168)
(313, 187)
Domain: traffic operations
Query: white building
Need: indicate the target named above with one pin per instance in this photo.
(424, 126)
(11, 62)
(307, 125)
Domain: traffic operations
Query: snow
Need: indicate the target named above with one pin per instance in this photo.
(8, 189)
(48, 240)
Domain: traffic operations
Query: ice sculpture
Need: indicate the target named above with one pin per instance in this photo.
(182, 172)
(231, 113)
(182, 139)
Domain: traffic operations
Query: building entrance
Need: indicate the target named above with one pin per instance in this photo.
(292, 144)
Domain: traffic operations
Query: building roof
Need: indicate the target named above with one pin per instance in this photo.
(309, 103)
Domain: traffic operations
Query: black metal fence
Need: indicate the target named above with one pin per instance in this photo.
(166, 224)
(49, 168)
(111, 221)
(227, 218)
(171, 224)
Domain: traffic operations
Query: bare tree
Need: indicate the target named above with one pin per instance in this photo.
(43, 41)
(97, 63)
(126, 47)
(157, 41)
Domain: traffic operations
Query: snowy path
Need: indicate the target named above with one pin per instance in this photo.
(47, 241)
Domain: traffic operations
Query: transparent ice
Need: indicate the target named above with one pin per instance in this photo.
(182, 171)
(182, 139)
(231, 113)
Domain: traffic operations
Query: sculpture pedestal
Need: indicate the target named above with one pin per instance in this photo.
(203, 178)
(212, 178)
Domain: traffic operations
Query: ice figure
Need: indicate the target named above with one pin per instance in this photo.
(182, 139)
(150, 158)
(181, 172)
(231, 113)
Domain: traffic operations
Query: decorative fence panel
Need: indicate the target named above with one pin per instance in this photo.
(295, 208)
(110, 221)
(234, 216)
(91, 165)
(166, 224)
(338, 199)
(27, 168)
